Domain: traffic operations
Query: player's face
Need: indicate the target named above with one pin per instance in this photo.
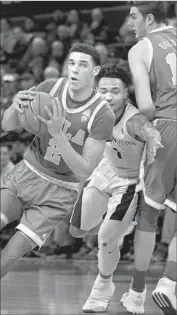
(114, 92)
(137, 23)
(81, 71)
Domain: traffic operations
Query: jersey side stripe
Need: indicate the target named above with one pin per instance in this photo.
(56, 86)
(150, 52)
(94, 114)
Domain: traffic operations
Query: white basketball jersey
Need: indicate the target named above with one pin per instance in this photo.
(124, 153)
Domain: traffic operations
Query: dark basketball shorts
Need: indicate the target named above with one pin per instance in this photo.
(105, 196)
(38, 203)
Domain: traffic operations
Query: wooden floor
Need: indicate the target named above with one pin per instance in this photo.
(58, 287)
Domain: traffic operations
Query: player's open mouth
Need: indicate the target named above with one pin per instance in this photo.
(73, 79)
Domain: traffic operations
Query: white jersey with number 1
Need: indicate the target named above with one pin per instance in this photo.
(123, 153)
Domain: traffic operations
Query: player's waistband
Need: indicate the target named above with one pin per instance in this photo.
(67, 185)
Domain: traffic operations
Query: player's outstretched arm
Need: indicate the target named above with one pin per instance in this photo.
(10, 120)
(138, 126)
(138, 58)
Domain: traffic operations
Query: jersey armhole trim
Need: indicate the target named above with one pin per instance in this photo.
(150, 55)
(56, 86)
(90, 123)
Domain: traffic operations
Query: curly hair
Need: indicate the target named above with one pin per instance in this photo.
(115, 71)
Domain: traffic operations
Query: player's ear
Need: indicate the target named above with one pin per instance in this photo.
(150, 18)
(96, 70)
(125, 93)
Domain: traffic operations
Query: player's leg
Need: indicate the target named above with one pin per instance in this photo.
(91, 206)
(154, 195)
(11, 207)
(121, 210)
(18, 246)
(165, 293)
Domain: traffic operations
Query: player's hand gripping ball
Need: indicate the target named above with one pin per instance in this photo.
(56, 118)
(28, 118)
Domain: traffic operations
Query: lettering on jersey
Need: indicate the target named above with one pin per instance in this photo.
(53, 150)
(122, 142)
(167, 43)
(79, 137)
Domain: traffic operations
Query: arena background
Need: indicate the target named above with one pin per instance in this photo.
(28, 30)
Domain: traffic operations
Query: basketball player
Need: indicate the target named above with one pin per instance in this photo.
(112, 185)
(153, 66)
(46, 183)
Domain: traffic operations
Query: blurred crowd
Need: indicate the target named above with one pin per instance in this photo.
(35, 50)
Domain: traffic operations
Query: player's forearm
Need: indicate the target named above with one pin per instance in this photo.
(139, 126)
(10, 119)
(77, 163)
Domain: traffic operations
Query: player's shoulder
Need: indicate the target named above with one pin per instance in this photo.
(105, 108)
(103, 112)
(138, 49)
(130, 111)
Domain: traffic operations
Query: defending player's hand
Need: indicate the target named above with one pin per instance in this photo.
(154, 143)
(21, 99)
(56, 119)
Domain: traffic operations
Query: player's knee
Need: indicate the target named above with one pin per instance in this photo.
(147, 221)
(3, 220)
(76, 232)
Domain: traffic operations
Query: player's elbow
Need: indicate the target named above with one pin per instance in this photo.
(148, 109)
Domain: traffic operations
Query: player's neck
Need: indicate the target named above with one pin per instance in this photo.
(80, 95)
(119, 113)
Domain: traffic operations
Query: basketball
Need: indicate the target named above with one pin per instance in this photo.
(28, 119)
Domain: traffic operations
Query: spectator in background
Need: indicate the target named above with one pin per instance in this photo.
(50, 31)
(57, 55)
(75, 25)
(36, 54)
(98, 25)
(27, 81)
(58, 17)
(9, 87)
(29, 24)
(63, 35)
(51, 73)
(6, 163)
(103, 52)
(5, 25)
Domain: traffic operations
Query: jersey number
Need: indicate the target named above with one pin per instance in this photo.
(171, 61)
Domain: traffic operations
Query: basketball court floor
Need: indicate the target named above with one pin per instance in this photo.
(52, 286)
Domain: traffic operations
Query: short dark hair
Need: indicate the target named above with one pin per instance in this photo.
(88, 50)
(157, 8)
(115, 71)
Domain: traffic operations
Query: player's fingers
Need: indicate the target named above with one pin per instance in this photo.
(48, 112)
(27, 92)
(33, 88)
(59, 108)
(56, 108)
(42, 119)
